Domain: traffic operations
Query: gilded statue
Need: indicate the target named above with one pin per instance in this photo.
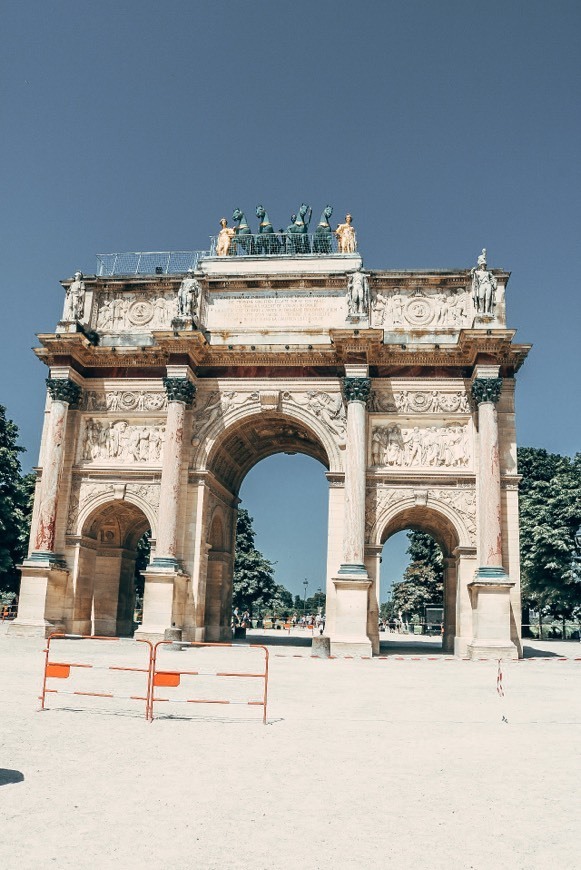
(484, 286)
(225, 237)
(346, 236)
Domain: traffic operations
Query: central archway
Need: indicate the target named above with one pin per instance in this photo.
(233, 453)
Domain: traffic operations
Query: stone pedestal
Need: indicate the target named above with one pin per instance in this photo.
(321, 647)
(163, 598)
(349, 637)
(491, 602)
(42, 599)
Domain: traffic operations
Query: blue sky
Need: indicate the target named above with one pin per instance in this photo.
(443, 127)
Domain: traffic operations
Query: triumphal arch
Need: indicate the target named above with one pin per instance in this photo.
(172, 374)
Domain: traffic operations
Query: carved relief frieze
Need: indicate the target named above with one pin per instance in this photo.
(121, 441)
(414, 308)
(133, 311)
(436, 446)
(420, 402)
(124, 400)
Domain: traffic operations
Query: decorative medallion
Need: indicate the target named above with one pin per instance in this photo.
(419, 311)
(140, 313)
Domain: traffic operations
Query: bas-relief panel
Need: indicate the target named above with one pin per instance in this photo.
(413, 309)
(120, 442)
(124, 400)
(439, 445)
(419, 402)
(258, 311)
(133, 311)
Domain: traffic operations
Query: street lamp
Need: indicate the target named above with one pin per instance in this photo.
(305, 584)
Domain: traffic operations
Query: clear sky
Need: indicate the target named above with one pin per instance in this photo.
(444, 127)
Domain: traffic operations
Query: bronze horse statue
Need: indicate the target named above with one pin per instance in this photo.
(243, 233)
(266, 241)
(322, 243)
(298, 231)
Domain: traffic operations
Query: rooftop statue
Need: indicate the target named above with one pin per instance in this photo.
(225, 237)
(243, 232)
(322, 241)
(298, 239)
(484, 286)
(270, 244)
(75, 299)
(346, 236)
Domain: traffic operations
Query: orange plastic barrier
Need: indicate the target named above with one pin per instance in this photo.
(9, 611)
(172, 678)
(62, 670)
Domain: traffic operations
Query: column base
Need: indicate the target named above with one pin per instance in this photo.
(491, 650)
(349, 636)
(31, 628)
(43, 597)
(163, 600)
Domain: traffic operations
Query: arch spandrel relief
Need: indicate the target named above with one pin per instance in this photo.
(457, 504)
(87, 495)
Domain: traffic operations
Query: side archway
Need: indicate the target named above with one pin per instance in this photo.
(103, 594)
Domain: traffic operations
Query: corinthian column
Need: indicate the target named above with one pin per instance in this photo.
(349, 606)
(491, 586)
(165, 592)
(63, 393)
(180, 393)
(356, 391)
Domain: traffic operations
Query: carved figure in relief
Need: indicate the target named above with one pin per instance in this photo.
(160, 311)
(121, 441)
(379, 305)
(445, 446)
(358, 294)
(329, 409)
(484, 286)
(75, 299)
(225, 237)
(346, 236)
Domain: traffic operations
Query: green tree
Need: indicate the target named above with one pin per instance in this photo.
(424, 549)
(420, 586)
(16, 495)
(254, 585)
(550, 514)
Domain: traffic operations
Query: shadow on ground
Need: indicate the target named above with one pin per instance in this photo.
(7, 777)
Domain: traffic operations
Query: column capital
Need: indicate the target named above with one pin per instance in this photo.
(486, 390)
(180, 390)
(356, 389)
(63, 390)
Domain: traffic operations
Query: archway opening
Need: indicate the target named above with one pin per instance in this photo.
(276, 468)
(111, 552)
(418, 581)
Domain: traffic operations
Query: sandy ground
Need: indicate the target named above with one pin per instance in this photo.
(386, 763)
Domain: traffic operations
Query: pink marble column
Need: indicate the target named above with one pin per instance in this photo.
(180, 393)
(63, 393)
(486, 392)
(356, 392)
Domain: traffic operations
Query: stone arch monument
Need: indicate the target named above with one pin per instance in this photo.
(171, 375)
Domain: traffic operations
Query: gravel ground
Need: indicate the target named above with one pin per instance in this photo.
(399, 762)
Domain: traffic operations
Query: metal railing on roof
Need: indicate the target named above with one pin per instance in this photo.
(148, 262)
(279, 244)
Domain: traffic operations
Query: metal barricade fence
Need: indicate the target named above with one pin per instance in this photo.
(170, 677)
(61, 670)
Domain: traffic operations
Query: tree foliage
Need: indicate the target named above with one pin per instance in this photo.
(423, 548)
(254, 585)
(16, 496)
(550, 514)
(420, 586)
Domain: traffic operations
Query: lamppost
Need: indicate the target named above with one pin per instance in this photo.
(577, 567)
(320, 599)
(305, 584)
